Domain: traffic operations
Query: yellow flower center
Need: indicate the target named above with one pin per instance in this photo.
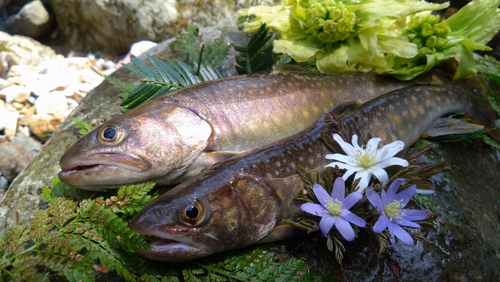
(334, 207)
(394, 210)
(366, 158)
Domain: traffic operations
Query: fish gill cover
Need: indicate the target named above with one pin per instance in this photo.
(80, 235)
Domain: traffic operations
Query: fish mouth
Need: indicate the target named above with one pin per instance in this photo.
(179, 248)
(100, 169)
(121, 160)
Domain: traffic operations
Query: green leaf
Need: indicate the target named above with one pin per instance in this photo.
(257, 55)
(82, 126)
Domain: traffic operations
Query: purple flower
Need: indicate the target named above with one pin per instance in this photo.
(334, 210)
(393, 216)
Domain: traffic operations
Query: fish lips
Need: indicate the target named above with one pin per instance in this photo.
(180, 248)
(101, 170)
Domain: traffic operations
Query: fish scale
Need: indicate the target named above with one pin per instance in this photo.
(244, 200)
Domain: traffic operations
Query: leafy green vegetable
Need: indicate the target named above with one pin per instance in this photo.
(393, 37)
(340, 35)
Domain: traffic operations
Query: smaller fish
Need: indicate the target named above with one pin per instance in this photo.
(245, 200)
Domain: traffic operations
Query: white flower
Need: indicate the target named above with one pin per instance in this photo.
(368, 161)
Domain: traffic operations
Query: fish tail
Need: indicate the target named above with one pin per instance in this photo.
(481, 109)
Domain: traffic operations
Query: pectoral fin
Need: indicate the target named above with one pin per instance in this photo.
(206, 159)
(282, 232)
(451, 126)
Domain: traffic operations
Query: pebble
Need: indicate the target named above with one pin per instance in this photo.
(37, 93)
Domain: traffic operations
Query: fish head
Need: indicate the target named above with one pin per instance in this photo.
(155, 143)
(199, 218)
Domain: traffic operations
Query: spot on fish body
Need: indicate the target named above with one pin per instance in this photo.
(413, 114)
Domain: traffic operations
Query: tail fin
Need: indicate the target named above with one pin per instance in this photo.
(481, 108)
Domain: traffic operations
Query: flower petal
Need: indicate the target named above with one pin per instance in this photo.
(338, 191)
(390, 150)
(405, 195)
(352, 218)
(373, 143)
(351, 199)
(350, 171)
(321, 194)
(405, 222)
(326, 223)
(340, 158)
(381, 224)
(374, 199)
(391, 192)
(415, 215)
(313, 209)
(365, 179)
(354, 141)
(346, 147)
(392, 161)
(402, 234)
(380, 174)
(341, 165)
(345, 229)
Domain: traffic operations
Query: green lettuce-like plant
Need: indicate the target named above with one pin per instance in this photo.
(387, 36)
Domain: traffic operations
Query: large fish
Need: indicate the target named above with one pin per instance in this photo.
(244, 200)
(170, 139)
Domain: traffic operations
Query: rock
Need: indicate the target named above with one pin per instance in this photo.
(15, 93)
(32, 20)
(13, 159)
(5, 83)
(42, 126)
(24, 50)
(113, 26)
(141, 47)
(4, 184)
(12, 122)
(3, 115)
(54, 103)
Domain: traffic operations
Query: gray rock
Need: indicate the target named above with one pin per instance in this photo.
(113, 26)
(32, 20)
(25, 50)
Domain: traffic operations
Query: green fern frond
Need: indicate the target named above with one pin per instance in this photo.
(82, 126)
(163, 78)
(257, 55)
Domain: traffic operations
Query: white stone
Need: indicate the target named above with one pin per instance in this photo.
(4, 184)
(5, 83)
(53, 103)
(9, 94)
(3, 115)
(12, 121)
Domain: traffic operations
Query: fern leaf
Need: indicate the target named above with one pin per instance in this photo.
(82, 126)
(257, 55)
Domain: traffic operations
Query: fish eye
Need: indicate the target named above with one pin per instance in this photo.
(193, 212)
(111, 134)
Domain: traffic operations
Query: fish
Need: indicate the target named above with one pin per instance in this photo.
(172, 138)
(247, 199)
